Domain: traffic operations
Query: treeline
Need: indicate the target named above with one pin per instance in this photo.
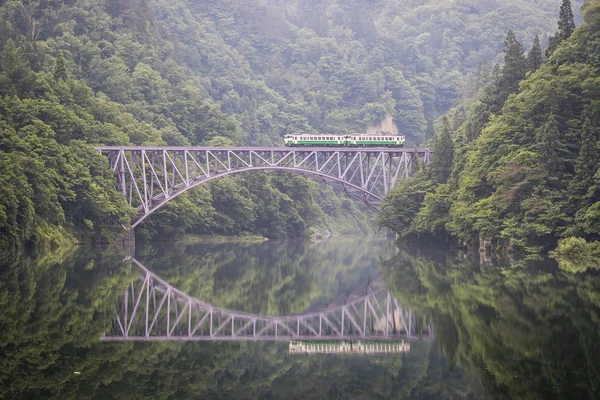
(517, 168)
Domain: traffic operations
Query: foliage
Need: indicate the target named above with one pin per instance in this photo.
(534, 57)
(55, 311)
(577, 255)
(524, 170)
(523, 329)
(566, 26)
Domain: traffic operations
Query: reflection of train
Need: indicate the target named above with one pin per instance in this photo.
(345, 140)
(353, 347)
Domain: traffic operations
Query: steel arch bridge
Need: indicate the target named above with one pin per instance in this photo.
(149, 177)
(153, 310)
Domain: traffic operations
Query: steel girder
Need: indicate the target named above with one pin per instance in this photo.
(149, 177)
(153, 310)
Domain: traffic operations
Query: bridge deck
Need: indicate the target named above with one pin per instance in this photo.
(278, 149)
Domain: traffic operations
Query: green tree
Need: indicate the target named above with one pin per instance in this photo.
(534, 58)
(60, 69)
(566, 26)
(443, 154)
(515, 66)
(549, 141)
(586, 164)
(566, 21)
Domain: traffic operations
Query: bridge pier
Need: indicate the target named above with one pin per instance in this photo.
(126, 241)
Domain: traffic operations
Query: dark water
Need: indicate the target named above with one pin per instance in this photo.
(523, 330)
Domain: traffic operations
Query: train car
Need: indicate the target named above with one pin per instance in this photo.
(375, 141)
(348, 140)
(314, 139)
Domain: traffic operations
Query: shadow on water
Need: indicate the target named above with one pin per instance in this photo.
(520, 331)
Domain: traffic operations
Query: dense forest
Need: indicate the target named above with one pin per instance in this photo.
(517, 168)
(79, 73)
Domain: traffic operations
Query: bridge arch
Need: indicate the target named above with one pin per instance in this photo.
(150, 177)
(153, 310)
(350, 189)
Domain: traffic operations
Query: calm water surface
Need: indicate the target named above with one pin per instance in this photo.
(523, 330)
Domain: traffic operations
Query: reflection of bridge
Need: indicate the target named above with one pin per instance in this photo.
(149, 177)
(357, 347)
(153, 310)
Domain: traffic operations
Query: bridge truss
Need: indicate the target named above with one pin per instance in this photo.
(153, 310)
(149, 177)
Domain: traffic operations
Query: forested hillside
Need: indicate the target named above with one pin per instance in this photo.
(78, 73)
(519, 167)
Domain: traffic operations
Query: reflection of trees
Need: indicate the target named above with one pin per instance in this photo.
(528, 330)
(52, 310)
(55, 311)
(275, 278)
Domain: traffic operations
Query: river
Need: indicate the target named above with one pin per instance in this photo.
(342, 319)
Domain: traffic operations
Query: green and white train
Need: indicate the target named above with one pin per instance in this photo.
(344, 140)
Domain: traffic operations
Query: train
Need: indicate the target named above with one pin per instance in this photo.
(342, 140)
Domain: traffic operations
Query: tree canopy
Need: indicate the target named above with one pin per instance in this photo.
(525, 156)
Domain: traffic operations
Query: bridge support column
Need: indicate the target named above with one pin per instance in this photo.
(126, 241)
